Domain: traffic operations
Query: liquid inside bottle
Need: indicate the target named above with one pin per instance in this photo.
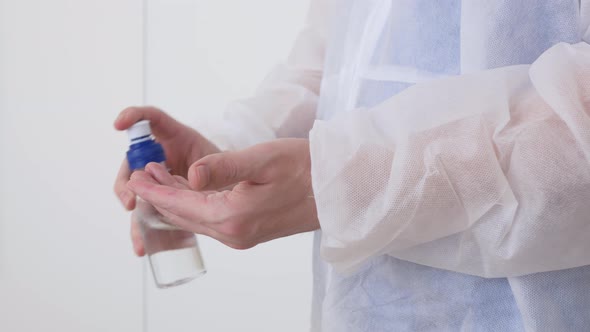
(173, 253)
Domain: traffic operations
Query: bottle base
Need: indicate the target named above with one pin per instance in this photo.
(181, 281)
(176, 267)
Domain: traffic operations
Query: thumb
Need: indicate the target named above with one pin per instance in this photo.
(220, 170)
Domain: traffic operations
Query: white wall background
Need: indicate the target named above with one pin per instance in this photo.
(67, 67)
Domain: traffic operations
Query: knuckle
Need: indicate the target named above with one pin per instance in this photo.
(229, 170)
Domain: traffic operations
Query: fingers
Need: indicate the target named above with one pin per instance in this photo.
(126, 196)
(182, 181)
(161, 175)
(163, 126)
(220, 170)
(198, 228)
(136, 239)
(184, 203)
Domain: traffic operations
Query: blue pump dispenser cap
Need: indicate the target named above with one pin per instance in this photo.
(143, 149)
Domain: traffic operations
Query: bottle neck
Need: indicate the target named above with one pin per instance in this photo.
(144, 152)
(141, 139)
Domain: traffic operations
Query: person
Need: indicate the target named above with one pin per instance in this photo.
(439, 150)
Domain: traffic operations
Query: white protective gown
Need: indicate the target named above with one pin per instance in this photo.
(450, 161)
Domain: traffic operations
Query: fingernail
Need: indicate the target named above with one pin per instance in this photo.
(149, 167)
(121, 115)
(203, 175)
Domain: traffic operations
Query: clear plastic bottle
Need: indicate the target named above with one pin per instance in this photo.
(173, 253)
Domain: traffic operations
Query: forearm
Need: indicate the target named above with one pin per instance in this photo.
(486, 174)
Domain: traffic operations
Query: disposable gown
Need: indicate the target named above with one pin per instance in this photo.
(450, 149)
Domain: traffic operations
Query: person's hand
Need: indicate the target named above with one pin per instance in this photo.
(272, 197)
(182, 145)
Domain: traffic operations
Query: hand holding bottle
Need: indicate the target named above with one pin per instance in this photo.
(183, 146)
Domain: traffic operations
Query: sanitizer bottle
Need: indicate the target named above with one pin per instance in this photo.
(173, 253)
